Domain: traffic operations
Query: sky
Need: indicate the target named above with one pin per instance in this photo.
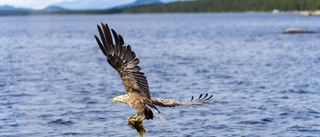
(35, 4)
(39, 4)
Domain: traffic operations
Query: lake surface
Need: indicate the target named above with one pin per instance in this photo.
(55, 81)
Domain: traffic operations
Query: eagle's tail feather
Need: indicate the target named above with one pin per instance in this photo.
(158, 114)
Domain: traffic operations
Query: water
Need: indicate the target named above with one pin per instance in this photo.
(54, 80)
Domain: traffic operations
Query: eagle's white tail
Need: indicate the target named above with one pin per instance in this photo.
(158, 114)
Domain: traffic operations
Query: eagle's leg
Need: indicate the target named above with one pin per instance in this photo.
(133, 117)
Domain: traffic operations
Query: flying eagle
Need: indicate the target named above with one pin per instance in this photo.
(124, 61)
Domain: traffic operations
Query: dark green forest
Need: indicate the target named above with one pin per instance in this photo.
(197, 6)
(228, 6)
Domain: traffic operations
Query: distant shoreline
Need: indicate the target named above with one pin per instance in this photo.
(93, 12)
(119, 11)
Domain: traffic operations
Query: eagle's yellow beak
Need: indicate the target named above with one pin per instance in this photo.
(115, 99)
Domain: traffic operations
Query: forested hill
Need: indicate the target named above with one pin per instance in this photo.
(228, 6)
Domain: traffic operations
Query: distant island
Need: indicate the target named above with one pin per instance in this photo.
(187, 6)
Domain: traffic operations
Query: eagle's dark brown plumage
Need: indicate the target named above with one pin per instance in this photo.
(124, 61)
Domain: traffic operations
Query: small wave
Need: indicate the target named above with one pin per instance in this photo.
(70, 134)
(303, 129)
(255, 122)
(61, 122)
(299, 91)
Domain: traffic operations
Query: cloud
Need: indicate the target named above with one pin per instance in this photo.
(35, 4)
(69, 4)
(91, 4)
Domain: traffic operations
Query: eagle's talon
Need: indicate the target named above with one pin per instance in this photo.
(140, 120)
(135, 117)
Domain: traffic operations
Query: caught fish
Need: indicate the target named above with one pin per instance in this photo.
(136, 123)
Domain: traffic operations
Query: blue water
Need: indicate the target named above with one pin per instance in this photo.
(54, 80)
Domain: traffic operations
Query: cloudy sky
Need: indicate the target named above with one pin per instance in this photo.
(36, 4)
(39, 4)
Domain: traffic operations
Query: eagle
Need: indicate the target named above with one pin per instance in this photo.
(123, 59)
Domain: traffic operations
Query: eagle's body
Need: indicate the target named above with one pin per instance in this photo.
(124, 61)
(140, 103)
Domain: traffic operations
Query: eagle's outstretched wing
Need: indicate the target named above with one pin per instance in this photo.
(172, 103)
(124, 60)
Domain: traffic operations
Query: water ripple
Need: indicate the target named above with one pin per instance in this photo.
(54, 80)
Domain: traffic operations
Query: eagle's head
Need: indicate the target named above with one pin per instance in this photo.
(121, 99)
(115, 99)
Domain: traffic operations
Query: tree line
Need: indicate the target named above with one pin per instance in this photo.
(228, 6)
